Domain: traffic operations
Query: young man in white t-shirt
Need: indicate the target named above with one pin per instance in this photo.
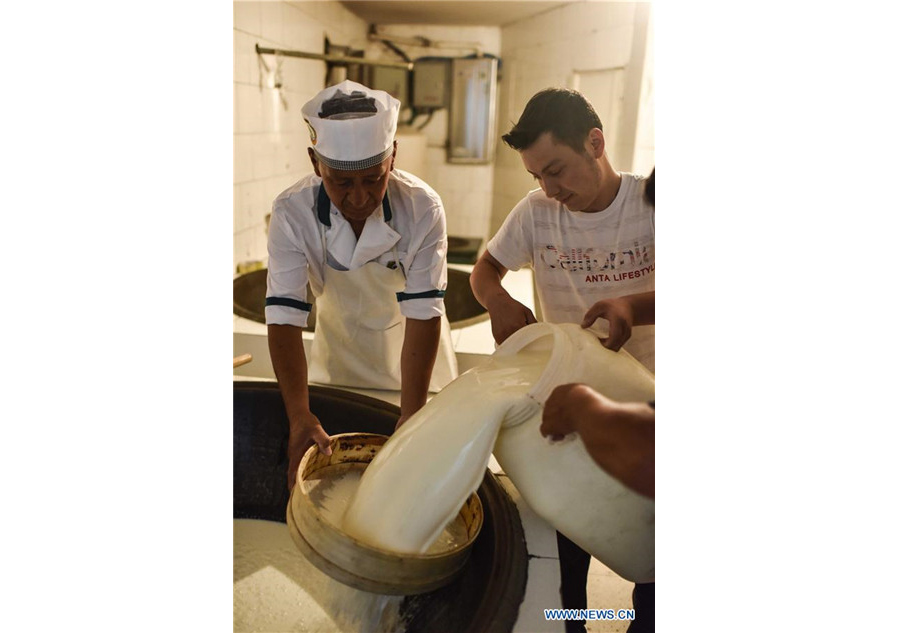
(588, 233)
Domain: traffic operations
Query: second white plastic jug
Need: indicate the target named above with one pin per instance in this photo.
(560, 481)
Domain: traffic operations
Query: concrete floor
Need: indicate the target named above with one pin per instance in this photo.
(607, 590)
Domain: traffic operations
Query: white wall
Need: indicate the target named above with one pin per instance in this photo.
(466, 190)
(546, 51)
(644, 144)
(270, 139)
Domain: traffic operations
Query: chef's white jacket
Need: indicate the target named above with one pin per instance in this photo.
(417, 228)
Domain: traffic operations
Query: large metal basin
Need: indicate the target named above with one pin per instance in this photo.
(486, 596)
(462, 250)
(462, 307)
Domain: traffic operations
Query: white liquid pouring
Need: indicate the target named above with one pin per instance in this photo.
(421, 477)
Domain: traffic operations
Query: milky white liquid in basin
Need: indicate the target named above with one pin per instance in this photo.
(421, 477)
(277, 589)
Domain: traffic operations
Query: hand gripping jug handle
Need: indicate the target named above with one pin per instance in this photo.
(561, 482)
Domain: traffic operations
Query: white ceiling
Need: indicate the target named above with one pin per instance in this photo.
(493, 13)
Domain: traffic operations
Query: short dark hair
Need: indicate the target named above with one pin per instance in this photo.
(565, 113)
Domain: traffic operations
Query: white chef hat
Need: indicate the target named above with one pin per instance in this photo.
(351, 126)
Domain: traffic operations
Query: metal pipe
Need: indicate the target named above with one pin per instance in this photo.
(376, 35)
(338, 59)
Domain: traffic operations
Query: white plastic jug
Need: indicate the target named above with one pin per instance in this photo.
(560, 481)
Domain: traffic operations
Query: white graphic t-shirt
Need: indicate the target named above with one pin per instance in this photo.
(580, 258)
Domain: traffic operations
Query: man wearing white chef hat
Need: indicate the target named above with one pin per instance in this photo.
(371, 241)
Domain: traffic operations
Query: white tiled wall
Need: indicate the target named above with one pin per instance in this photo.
(545, 51)
(270, 138)
(466, 190)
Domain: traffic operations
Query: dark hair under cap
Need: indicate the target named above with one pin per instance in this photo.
(565, 113)
(342, 103)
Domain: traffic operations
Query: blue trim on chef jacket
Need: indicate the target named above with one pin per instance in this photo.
(323, 207)
(290, 303)
(428, 294)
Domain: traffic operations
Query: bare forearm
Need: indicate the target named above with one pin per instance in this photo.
(420, 345)
(486, 278)
(620, 437)
(507, 314)
(643, 307)
(289, 362)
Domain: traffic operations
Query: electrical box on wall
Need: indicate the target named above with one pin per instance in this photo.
(473, 106)
(431, 83)
(394, 81)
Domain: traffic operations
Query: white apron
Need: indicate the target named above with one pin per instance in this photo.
(360, 330)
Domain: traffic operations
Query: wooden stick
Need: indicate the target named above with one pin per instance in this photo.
(242, 360)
